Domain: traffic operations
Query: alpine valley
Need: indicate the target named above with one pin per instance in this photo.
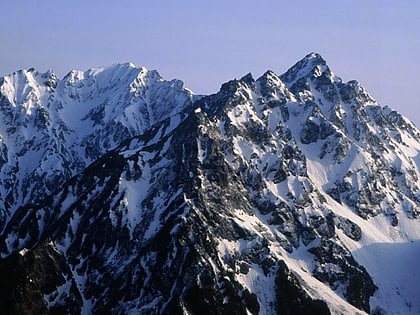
(124, 193)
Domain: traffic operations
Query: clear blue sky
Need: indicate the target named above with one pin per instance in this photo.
(206, 43)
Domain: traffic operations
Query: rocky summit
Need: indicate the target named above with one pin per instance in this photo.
(124, 193)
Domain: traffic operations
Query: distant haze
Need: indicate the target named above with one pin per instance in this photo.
(205, 43)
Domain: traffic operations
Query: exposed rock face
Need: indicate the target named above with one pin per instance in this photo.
(151, 200)
(31, 279)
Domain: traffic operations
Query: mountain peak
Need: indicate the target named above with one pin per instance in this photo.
(315, 58)
(312, 65)
(311, 62)
(248, 80)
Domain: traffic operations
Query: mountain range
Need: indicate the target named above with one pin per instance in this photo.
(124, 193)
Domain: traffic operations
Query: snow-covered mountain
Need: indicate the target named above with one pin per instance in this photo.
(51, 130)
(124, 193)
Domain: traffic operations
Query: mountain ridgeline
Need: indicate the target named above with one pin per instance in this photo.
(124, 193)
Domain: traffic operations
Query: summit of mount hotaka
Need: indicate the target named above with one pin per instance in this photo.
(125, 193)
